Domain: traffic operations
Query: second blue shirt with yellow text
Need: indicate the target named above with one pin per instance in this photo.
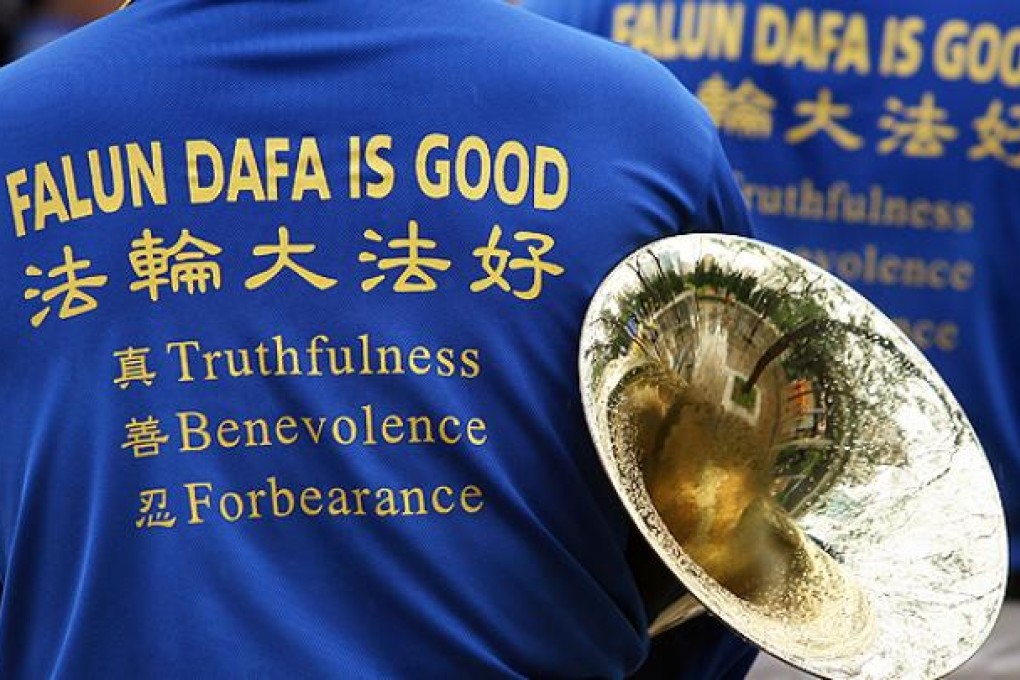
(882, 142)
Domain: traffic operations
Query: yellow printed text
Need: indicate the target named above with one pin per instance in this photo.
(692, 30)
(259, 171)
(815, 40)
(979, 53)
(76, 188)
(842, 203)
(275, 501)
(474, 170)
(869, 265)
(931, 334)
(320, 356)
(364, 428)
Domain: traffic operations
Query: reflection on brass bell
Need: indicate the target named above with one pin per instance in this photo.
(793, 460)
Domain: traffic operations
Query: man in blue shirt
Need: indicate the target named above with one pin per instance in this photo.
(292, 296)
(881, 141)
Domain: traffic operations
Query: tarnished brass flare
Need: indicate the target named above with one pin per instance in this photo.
(793, 459)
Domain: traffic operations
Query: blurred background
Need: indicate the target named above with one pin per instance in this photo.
(26, 25)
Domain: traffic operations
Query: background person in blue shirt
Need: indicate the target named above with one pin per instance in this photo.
(292, 295)
(881, 141)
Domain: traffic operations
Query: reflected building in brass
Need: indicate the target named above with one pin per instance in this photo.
(793, 459)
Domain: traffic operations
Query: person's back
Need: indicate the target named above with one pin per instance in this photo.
(291, 300)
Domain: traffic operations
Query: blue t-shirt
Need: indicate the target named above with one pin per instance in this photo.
(881, 141)
(291, 301)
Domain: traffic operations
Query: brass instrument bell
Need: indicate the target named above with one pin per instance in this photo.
(793, 459)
